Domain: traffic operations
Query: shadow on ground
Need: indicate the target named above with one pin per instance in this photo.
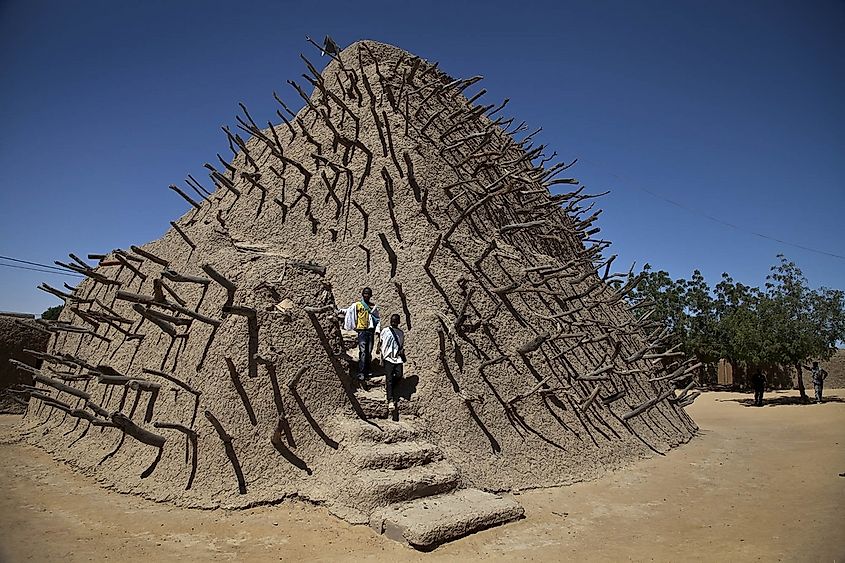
(781, 401)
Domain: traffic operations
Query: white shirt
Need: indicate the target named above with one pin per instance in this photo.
(391, 346)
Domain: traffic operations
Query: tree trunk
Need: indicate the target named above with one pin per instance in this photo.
(804, 397)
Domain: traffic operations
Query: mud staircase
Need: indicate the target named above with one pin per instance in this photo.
(410, 492)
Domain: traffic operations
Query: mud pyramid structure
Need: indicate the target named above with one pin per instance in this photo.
(208, 368)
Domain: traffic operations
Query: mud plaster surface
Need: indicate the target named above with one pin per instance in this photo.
(254, 238)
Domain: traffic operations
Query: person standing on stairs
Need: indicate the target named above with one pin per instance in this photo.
(363, 317)
(393, 356)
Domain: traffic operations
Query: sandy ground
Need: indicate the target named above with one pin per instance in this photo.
(756, 484)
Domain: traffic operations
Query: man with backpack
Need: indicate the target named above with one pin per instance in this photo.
(363, 317)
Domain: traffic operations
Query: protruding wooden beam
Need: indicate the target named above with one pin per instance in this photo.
(183, 234)
(123, 259)
(163, 325)
(96, 276)
(227, 284)
(641, 408)
(230, 450)
(149, 256)
(132, 429)
(173, 379)
(49, 381)
(310, 266)
(175, 276)
(185, 196)
(533, 344)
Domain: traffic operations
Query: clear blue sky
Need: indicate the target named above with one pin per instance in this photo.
(733, 109)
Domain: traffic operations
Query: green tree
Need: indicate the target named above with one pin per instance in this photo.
(738, 331)
(664, 294)
(52, 313)
(787, 323)
(702, 335)
(803, 323)
(686, 307)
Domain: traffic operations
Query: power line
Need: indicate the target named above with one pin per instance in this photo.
(42, 271)
(33, 263)
(711, 217)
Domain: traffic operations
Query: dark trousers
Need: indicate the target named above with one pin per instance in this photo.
(819, 389)
(758, 397)
(365, 352)
(392, 374)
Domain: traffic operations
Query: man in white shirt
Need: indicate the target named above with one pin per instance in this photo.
(393, 355)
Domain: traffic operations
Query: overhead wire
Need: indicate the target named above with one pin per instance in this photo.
(71, 274)
(32, 263)
(708, 216)
(43, 268)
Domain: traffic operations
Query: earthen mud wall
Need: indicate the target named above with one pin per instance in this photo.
(221, 340)
(16, 335)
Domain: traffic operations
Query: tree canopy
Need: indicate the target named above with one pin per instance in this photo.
(786, 322)
(52, 313)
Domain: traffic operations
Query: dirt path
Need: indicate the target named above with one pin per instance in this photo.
(758, 483)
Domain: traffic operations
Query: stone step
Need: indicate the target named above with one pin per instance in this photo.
(371, 394)
(398, 455)
(356, 430)
(373, 402)
(427, 522)
(380, 487)
(375, 381)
